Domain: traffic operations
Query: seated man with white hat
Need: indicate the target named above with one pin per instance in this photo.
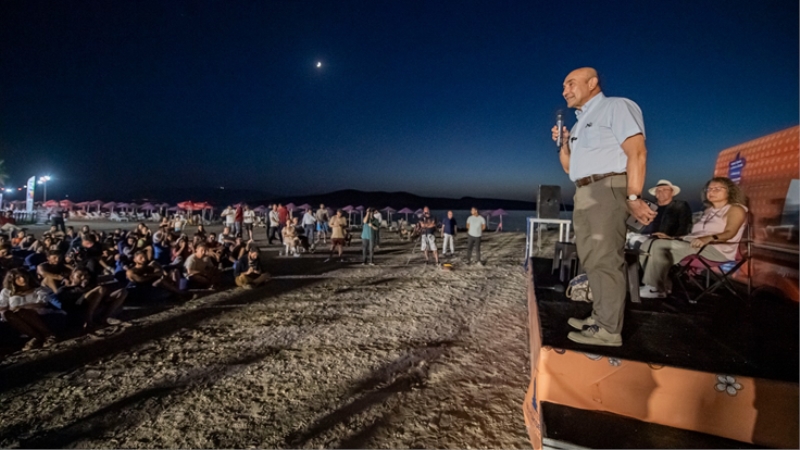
(674, 217)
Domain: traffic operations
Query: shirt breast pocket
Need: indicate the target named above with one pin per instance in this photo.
(598, 137)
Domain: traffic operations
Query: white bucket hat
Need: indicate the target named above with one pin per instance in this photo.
(675, 189)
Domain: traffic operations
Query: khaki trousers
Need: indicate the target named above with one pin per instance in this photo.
(664, 253)
(599, 221)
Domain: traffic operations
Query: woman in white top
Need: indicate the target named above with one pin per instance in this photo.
(20, 301)
(723, 221)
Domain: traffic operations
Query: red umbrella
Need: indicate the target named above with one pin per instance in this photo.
(66, 204)
(187, 205)
(50, 204)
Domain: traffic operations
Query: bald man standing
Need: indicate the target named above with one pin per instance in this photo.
(604, 155)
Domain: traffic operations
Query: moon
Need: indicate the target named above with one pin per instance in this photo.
(319, 64)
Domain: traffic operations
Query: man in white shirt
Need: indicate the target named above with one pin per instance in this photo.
(475, 227)
(309, 224)
(228, 213)
(274, 225)
(376, 234)
(249, 217)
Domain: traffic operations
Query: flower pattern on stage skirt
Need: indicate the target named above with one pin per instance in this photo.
(727, 383)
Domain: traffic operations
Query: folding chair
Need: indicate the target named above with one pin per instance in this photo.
(717, 274)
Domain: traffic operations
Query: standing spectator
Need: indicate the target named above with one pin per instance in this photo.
(309, 224)
(57, 218)
(238, 218)
(249, 218)
(338, 223)
(229, 213)
(427, 229)
(449, 231)
(476, 225)
(283, 216)
(368, 237)
(377, 235)
(322, 223)
(274, 225)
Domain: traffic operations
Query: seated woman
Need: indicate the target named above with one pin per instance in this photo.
(290, 239)
(20, 302)
(723, 221)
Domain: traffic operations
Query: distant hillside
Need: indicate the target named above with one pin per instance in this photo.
(215, 196)
(399, 200)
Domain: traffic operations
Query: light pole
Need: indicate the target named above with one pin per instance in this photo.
(43, 181)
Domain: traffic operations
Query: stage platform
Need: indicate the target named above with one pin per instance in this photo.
(723, 368)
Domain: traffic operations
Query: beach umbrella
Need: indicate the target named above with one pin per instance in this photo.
(349, 210)
(66, 204)
(97, 203)
(305, 206)
(360, 209)
(173, 208)
(260, 209)
(389, 210)
(418, 213)
(148, 207)
(133, 206)
(50, 204)
(187, 205)
(499, 213)
(109, 206)
(83, 205)
(405, 211)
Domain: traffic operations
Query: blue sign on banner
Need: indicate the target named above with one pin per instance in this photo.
(735, 168)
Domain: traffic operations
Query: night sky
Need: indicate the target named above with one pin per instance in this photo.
(444, 98)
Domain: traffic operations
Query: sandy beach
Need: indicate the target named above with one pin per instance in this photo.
(329, 354)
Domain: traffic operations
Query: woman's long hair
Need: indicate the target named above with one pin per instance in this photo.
(9, 281)
(735, 194)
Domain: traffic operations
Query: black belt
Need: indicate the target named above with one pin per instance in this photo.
(592, 178)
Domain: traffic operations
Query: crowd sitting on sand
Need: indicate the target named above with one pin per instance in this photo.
(87, 275)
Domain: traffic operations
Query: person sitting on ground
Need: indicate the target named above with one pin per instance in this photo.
(17, 240)
(721, 225)
(226, 237)
(89, 256)
(248, 271)
(201, 273)
(54, 271)
(338, 225)
(81, 297)
(56, 233)
(145, 277)
(38, 256)
(214, 248)
(161, 246)
(201, 232)
(20, 303)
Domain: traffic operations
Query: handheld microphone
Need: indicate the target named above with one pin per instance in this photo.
(560, 126)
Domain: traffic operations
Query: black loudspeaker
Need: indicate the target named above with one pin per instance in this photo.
(548, 202)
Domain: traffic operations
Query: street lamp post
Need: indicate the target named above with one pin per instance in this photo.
(43, 181)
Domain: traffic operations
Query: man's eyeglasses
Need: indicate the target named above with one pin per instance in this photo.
(715, 189)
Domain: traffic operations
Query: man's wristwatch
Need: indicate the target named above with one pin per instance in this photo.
(634, 197)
